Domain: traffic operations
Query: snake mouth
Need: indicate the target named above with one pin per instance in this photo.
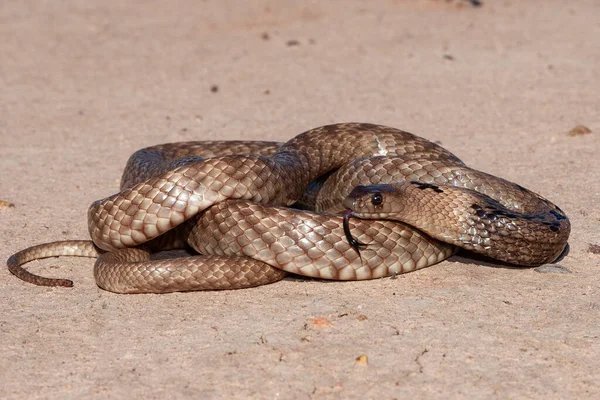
(351, 240)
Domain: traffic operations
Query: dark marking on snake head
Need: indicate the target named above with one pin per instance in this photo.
(493, 213)
(479, 211)
(491, 216)
(538, 216)
(553, 226)
(363, 126)
(557, 215)
(521, 188)
(423, 186)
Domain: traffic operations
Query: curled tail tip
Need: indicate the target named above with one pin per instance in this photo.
(64, 282)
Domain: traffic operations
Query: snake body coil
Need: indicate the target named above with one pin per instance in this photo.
(228, 201)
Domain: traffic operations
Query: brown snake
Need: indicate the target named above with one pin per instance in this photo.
(228, 201)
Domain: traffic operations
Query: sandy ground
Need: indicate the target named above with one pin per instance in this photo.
(501, 85)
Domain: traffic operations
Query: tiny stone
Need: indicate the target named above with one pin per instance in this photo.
(292, 42)
(320, 322)
(6, 204)
(362, 360)
(214, 88)
(594, 248)
(552, 269)
(579, 130)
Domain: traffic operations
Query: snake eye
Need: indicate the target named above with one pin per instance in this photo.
(377, 199)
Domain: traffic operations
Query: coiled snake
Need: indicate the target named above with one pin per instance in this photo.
(230, 202)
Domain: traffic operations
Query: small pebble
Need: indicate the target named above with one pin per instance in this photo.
(552, 269)
(320, 322)
(6, 204)
(594, 248)
(362, 360)
(579, 130)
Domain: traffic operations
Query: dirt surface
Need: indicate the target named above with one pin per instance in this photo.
(501, 85)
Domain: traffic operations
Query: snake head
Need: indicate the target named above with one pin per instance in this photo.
(371, 202)
(368, 202)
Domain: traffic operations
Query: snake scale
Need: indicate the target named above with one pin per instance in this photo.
(254, 211)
